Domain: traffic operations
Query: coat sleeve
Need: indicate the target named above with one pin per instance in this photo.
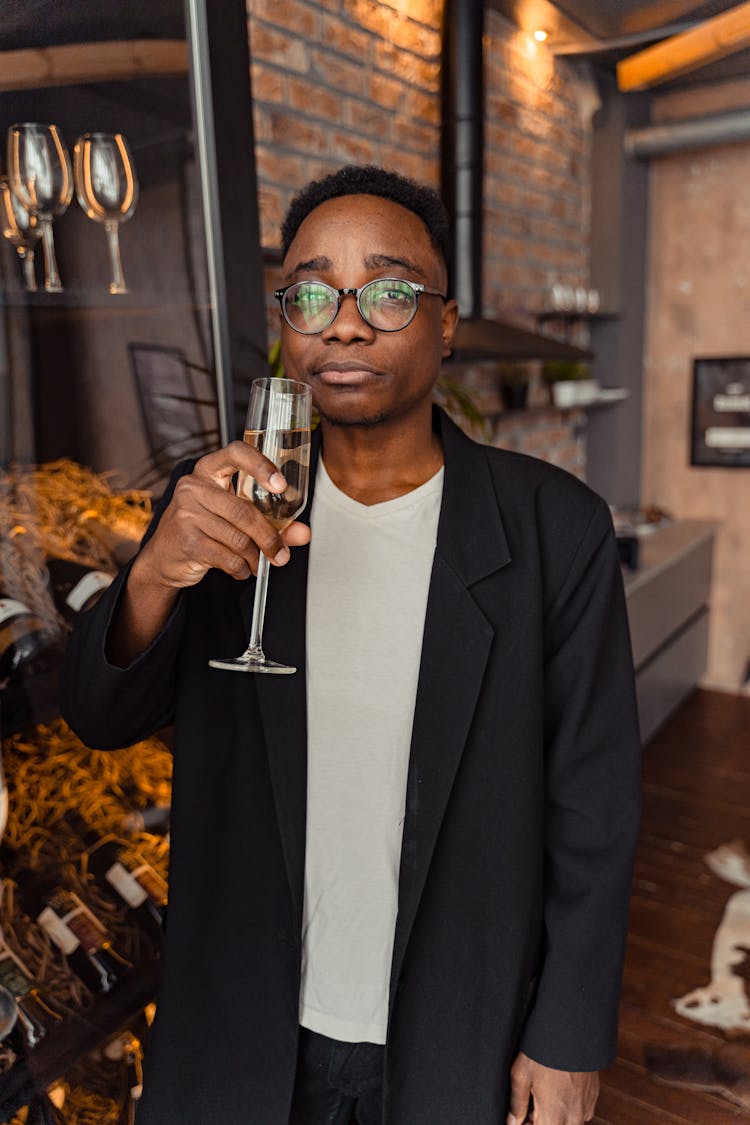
(109, 707)
(592, 809)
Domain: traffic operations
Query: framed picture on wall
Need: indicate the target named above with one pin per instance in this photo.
(720, 417)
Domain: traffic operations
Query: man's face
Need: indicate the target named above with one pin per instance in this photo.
(359, 375)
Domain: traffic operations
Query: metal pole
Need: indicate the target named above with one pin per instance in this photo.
(660, 140)
(462, 146)
(200, 78)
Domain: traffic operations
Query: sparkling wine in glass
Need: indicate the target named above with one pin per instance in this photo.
(21, 229)
(278, 424)
(107, 190)
(40, 178)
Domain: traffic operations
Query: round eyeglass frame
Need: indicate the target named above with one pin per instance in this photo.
(416, 286)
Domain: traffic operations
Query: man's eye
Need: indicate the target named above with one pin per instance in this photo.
(396, 296)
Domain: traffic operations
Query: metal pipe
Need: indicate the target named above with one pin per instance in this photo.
(704, 132)
(462, 146)
(200, 78)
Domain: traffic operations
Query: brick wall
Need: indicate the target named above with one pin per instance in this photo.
(335, 83)
(338, 81)
(538, 173)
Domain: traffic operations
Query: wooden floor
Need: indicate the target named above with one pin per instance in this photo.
(696, 797)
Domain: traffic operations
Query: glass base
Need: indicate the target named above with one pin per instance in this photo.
(252, 663)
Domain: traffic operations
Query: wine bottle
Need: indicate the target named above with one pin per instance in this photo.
(151, 818)
(75, 587)
(75, 931)
(35, 1015)
(23, 636)
(8, 1012)
(128, 876)
(42, 1111)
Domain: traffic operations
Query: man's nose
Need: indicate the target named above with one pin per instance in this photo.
(349, 325)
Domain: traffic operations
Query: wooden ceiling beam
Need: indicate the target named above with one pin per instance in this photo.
(711, 40)
(75, 63)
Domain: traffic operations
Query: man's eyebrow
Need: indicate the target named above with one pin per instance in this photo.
(386, 262)
(320, 263)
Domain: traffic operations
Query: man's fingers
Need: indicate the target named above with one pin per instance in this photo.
(296, 535)
(520, 1093)
(230, 519)
(221, 466)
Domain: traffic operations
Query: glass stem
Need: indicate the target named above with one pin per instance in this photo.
(255, 645)
(29, 277)
(52, 281)
(117, 284)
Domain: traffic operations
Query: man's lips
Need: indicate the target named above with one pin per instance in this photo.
(347, 374)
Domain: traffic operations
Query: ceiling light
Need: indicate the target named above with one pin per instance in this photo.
(541, 35)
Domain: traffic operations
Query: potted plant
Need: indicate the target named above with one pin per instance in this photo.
(570, 382)
(513, 379)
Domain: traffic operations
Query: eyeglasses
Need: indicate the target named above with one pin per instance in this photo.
(387, 304)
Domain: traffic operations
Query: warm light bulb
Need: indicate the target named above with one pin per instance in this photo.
(541, 35)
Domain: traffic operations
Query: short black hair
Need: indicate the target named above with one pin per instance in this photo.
(369, 179)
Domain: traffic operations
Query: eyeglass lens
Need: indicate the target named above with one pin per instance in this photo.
(386, 304)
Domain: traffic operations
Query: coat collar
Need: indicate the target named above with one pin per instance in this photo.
(471, 545)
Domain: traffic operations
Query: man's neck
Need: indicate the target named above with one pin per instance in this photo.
(372, 464)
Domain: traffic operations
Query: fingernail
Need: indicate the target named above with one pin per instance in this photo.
(512, 1120)
(277, 482)
(282, 557)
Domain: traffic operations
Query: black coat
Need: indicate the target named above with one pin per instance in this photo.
(521, 812)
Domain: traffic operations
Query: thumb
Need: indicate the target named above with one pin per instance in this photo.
(520, 1094)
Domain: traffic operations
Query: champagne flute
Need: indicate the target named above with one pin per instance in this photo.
(278, 425)
(21, 229)
(107, 190)
(40, 178)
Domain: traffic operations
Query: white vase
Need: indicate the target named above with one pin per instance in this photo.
(574, 392)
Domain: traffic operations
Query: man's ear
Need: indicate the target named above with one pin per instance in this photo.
(450, 323)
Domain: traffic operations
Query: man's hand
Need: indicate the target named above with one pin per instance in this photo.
(205, 525)
(561, 1097)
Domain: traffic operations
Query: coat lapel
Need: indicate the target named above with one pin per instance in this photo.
(283, 699)
(471, 545)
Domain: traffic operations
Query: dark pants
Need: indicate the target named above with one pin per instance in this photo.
(337, 1083)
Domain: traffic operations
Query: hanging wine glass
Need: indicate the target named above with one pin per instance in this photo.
(40, 177)
(107, 190)
(21, 229)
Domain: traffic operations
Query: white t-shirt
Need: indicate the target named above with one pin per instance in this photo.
(369, 574)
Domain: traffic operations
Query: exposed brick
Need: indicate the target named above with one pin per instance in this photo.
(349, 147)
(409, 67)
(290, 131)
(424, 107)
(386, 91)
(290, 14)
(345, 38)
(375, 17)
(415, 37)
(421, 138)
(269, 201)
(261, 123)
(268, 85)
(337, 72)
(314, 100)
(276, 167)
(368, 119)
(270, 212)
(423, 11)
(270, 45)
(409, 164)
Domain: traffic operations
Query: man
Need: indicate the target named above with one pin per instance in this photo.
(399, 878)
